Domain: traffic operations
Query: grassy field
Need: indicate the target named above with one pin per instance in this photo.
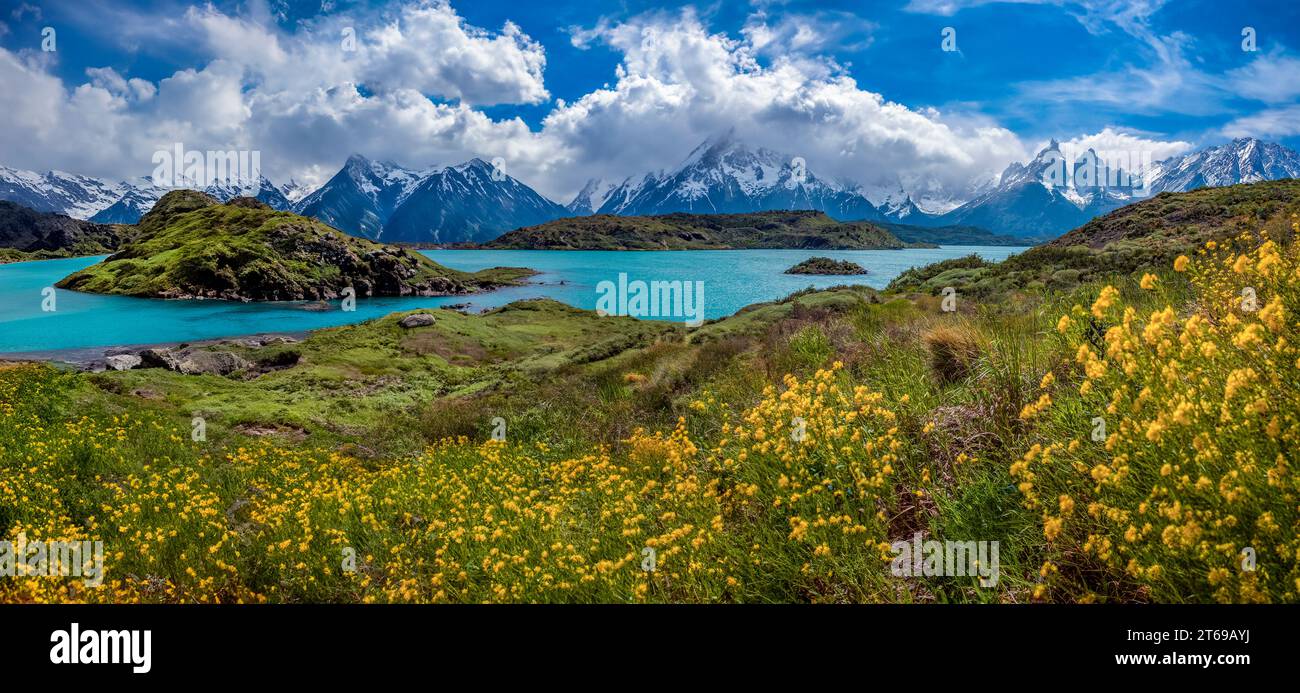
(1128, 438)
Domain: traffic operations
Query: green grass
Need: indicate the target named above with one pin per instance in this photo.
(190, 246)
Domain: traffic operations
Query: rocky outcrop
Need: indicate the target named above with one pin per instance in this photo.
(122, 362)
(31, 231)
(416, 320)
(158, 358)
(212, 363)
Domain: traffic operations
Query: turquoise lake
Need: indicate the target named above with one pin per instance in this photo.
(732, 279)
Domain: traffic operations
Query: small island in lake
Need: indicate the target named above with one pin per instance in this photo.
(825, 265)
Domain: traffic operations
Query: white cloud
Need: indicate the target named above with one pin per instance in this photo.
(1283, 121)
(1272, 78)
(794, 33)
(307, 104)
(426, 47)
(1115, 140)
(1172, 84)
(683, 84)
(133, 89)
(467, 63)
(26, 10)
(947, 8)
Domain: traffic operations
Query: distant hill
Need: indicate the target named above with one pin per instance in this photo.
(191, 246)
(782, 229)
(1143, 235)
(949, 235)
(1173, 222)
(33, 235)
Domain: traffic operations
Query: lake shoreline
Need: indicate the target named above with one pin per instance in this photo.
(87, 324)
(86, 358)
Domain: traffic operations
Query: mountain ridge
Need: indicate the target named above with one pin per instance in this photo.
(473, 202)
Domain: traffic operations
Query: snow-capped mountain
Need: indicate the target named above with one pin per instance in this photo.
(591, 197)
(1038, 200)
(361, 197)
(142, 194)
(893, 202)
(382, 200)
(1035, 200)
(295, 191)
(1031, 200)
(1243, 160)
(723, 175)
(107, 202)
(262, 189)
(74, 195)
(138, 200)
(467, 202)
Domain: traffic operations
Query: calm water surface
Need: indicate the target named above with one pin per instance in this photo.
(732, 279)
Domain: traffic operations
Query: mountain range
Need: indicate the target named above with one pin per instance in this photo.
(1033, 201)
(1026, 205)
(474, 202)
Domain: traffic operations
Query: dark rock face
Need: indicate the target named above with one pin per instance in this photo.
(28, 230)
(158, 358)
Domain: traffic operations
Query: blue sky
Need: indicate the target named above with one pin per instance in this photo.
(613, 89)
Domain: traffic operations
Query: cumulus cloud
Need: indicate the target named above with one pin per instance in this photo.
(1117, 140)
(683, 83)
(411, 89)
(304, 99)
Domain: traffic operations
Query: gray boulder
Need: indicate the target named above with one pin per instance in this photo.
(122, 362)
(416, 320)
(211, 363)
(158, 358)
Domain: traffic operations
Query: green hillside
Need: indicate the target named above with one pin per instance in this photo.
(190, 246)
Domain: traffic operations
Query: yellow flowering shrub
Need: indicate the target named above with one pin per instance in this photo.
(1178, 473)
(756, 516)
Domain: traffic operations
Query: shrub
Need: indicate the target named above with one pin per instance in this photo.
(1188, 493)
(953, 352)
